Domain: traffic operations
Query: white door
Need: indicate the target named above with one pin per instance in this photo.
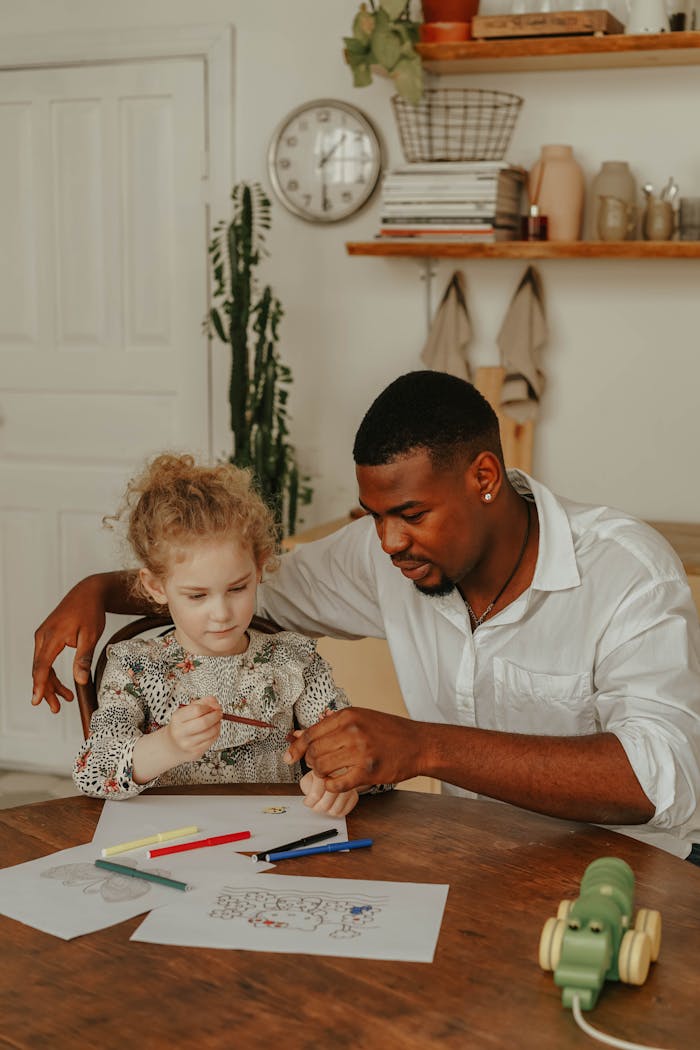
(103, 279)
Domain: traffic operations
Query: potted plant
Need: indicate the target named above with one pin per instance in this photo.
(383, 35)
(247, 320)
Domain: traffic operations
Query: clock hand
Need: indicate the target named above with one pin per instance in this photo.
(325, 200)
(331, 151)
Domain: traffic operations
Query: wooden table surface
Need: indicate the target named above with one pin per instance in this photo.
(507, 871)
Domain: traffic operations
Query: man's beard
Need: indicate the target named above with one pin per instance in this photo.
(436, 590)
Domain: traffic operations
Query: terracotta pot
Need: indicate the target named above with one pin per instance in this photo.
(449, 10)
(444, 32)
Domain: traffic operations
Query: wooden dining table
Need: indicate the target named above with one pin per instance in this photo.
(507, 870)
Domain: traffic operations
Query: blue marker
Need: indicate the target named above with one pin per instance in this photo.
(333, 847)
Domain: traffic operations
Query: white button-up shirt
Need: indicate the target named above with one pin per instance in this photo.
(605, 639)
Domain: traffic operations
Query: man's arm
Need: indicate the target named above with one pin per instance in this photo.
(587, 778)
(78, 621)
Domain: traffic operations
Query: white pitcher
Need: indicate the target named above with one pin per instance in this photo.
(647, 16)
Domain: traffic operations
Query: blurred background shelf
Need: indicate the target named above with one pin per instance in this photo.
(529, 249)
(561, 53)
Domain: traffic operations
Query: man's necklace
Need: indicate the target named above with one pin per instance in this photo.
(478, 620)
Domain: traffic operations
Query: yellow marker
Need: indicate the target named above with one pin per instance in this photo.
(162, 836)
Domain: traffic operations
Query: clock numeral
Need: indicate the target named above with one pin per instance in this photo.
(323, 116)
(291, 140)
(307, 200)
(292, 185)
(360, 180)
(284, 163)
(346, 196)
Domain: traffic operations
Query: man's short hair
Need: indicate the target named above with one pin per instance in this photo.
(434, 411)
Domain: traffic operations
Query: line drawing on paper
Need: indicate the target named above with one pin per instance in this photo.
(336, 915)
(114, 888)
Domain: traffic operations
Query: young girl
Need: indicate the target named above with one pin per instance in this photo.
(202, 537)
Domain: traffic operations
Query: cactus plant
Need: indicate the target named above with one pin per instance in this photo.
(247, 319)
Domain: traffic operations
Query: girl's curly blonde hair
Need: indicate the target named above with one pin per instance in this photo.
(174, 501)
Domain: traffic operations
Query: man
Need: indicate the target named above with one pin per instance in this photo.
(548, 652)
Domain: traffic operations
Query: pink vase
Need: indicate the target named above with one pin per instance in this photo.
(557, 185)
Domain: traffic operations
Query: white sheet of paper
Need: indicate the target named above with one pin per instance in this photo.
(66, 895)
(135, 818)
(397, 921)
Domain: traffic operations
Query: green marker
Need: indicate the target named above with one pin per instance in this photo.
(137, 873)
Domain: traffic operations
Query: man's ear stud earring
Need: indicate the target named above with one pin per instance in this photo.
(487, 497)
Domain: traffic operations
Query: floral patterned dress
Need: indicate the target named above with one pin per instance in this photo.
(280, 679)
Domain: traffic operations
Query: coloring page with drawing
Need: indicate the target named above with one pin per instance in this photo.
(353, 918)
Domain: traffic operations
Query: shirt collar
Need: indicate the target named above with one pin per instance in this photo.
(556, 568)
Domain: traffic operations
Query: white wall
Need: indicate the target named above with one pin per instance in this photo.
(619, 419)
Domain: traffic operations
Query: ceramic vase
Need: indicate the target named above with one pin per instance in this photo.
(614, 180)
(556, 186)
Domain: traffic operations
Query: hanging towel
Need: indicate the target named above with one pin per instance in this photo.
(445, 349)
(521, 339)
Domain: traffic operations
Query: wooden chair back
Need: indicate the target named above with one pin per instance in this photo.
(87, 694)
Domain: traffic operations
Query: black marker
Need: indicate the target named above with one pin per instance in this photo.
(296, 845)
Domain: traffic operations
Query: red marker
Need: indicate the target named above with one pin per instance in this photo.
(247, 721)
(217, 840)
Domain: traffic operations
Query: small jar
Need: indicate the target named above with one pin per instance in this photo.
(658, 220)
(613, 180)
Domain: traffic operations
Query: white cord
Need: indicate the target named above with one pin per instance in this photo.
(601, 1036)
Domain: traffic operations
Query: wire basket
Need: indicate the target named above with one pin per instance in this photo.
(457, 124)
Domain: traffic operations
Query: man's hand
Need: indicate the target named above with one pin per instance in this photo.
(331, 803)
(361, 747)
(77, 621)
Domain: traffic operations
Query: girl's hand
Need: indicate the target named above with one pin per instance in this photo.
(335, 804)
(194, 727)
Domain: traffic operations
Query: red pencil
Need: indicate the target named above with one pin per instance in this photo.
(247, 721)
(217, 840)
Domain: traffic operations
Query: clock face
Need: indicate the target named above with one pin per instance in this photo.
(324, 161)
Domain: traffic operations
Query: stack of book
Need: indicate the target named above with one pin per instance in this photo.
(453, 200)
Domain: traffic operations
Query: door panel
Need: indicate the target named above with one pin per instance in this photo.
(103, 278)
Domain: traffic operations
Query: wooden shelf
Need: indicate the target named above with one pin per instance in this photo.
(572, 52)
(530, 249)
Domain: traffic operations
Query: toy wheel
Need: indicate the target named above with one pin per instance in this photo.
(649, 921)
(635, 956)
(550, 943)
(564, 909)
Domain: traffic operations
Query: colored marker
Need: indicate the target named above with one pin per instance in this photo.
(296, 845)
(137, 873)
(333, 847)
(247, 721)
(162, 836)
(217, 840)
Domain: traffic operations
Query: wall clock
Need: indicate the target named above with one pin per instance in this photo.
(324, 160)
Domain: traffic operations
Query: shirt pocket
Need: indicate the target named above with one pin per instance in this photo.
(548, 704)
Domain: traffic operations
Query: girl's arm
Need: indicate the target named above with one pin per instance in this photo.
(118, 760)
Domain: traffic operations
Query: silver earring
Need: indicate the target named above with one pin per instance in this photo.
(487, 497)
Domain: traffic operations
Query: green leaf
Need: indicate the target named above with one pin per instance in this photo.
(218, 326)
(394, 7)
(361, 75)
(386, 48)
(408, 77)
(356, 48)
